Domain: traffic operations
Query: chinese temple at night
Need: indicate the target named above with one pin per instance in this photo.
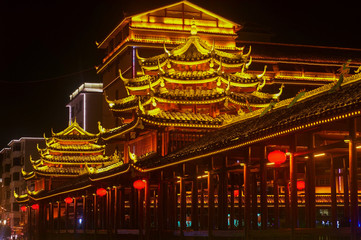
(204, 138)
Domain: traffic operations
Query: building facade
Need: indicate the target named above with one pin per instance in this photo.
(191, 121)
(14, 159)
(85, 106)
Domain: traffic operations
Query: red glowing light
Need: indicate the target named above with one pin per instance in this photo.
(236, 193)
(35, 206)
(101, 192)
(301, 185)
(68, 200)
(23, 208)
(139, 184)
(277, 157)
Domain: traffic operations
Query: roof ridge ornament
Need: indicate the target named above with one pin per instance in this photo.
(193, 27)
(166, 50)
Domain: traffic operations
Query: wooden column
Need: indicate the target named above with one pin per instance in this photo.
(210, 204)
(333, 194)
(247, 198)
(121, 208)
(346, 201)
(147, 216)
(287, 199)
(140, 213)
(66, 216)
(222, 197)
(201, 215)
(85, 214)
(231, 217)
(195, 200)
(95, 214)
(173, 203)
(59, 216)
(353, 178)
(254, 201)
(311, 188)
(160, 205)
(75, 214)
(293, 179)
(276, 198)
(263, 180)
(115, 210)
(183, 205)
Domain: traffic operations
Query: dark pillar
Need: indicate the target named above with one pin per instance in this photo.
(147, 209)
(85, 214)
(115, 210)
(95, 213)
(247, 199)
(263, 171)
(310, 186)
(346, 196)
(195, 200)
(121, 208)
(183, 205)
(293, 179)
(276, 199)
(353, 178)
(254, 201)
(231, 217)
(333, 194)
(210, 205)
(75, 214)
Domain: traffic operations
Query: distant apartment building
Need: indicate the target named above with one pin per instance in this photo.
(13, 158)
(85, 106)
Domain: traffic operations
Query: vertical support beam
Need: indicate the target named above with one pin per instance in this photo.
(287, 200)
(276, 199)
(115, 209)
(147, 209)
(231, 217)
(140, 214)
(160, 208)
(66, 217)
(293, 178)
(346, 202)
(201, 215)
(222, 197)
(263, 180)
(353, 178)
(247, 199)
(122, 208)
(59, 216)
(95, 213)
(183, 205)
(85, 214)
(173, 203)
(311, 188)
(333, 194)
(195, 199)
(210, 205)
(254, 202)
(75, 214)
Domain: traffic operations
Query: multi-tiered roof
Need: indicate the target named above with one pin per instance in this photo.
(194, 85)
(70, 153)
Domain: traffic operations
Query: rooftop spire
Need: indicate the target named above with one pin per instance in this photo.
(193, 27)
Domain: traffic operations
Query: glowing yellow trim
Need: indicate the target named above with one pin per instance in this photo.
(195, 81)
(60, 193)
(143, 87)
(258, 105)
(251, 82)
(109, 176)
(164, 100)
(181, 124)
(73, 126)
(121, 133)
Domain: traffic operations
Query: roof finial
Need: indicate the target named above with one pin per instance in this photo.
(193, 27)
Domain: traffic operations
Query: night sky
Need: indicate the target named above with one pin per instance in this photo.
(47, 48)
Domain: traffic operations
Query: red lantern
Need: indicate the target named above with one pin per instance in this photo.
(23, 208)
(139, 184)
(277, 157)
(236, 193)
(35, 206)
(301, 185)
(101, 192)
(68, 200)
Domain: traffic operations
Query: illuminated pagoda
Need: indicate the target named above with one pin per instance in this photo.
(70, 153)
(186, 92)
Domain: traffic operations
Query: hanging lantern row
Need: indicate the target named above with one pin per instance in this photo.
(277, 157)
(23, 208)
(301, 185)
(68, 200)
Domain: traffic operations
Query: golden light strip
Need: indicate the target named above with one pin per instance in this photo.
(109, 176)
(180, 124)
(60, 193)
(121, 133)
